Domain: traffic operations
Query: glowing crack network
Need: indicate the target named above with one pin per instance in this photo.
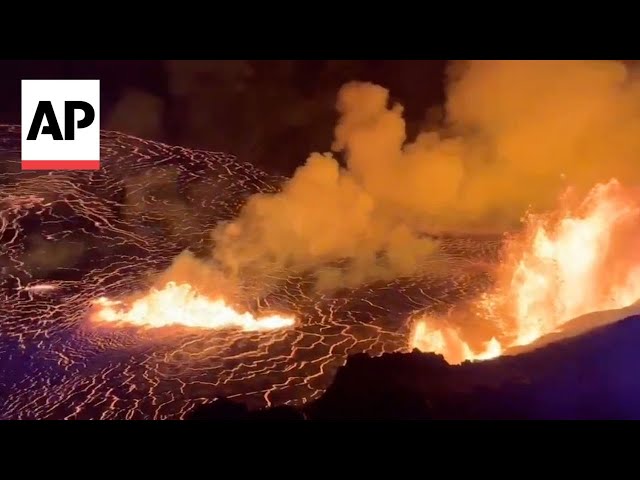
(68, 238)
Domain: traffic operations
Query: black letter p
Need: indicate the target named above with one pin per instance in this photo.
(69, 120)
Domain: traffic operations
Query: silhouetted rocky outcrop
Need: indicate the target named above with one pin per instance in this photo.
(592, 376)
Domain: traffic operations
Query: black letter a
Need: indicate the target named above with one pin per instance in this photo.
(45, 109)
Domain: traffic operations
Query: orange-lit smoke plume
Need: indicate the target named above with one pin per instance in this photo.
(515, 134)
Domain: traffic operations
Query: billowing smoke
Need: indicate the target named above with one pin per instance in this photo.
(202, 274)
(530, 128)
(322, 215)
(514, 135)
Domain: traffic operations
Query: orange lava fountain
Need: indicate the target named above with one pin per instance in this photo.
(184, 306)
(563, 265)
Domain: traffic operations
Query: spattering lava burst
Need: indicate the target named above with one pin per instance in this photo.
(571, 262)
(448, 342)
(181, 305)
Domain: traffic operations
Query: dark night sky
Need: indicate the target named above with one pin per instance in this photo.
(271, 113)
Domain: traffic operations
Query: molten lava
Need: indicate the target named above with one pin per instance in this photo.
(447, 341)
(563, 265)
(180, 304)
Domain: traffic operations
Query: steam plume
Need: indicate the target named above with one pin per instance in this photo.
(515, 134)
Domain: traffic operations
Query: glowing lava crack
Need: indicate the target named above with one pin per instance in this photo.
(182, 305)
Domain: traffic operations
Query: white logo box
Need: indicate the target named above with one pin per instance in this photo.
(46, 152)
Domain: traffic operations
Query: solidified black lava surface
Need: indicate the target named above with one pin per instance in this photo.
(592, 376)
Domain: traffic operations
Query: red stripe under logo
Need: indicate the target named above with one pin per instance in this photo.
(60, 164)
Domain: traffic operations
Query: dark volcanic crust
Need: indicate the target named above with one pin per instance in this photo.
(88, 234)
(589, 377)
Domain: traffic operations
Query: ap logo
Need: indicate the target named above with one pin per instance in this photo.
(60, 124)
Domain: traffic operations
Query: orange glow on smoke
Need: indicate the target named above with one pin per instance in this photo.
(563, 265)
(180, 304)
